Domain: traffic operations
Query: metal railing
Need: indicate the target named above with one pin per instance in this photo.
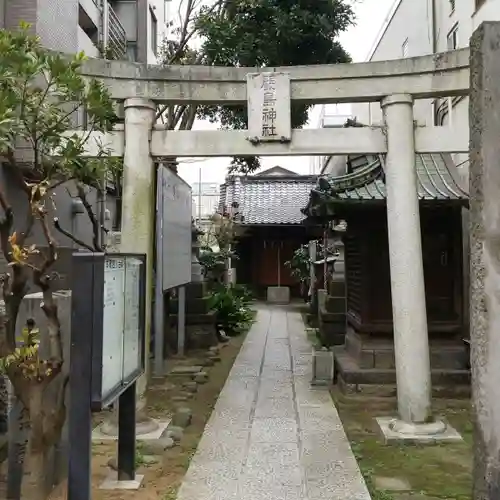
(117, 38)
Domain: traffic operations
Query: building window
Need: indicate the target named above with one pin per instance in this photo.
(452, 6)
(404, 48)
(452, 38)
(154, 32)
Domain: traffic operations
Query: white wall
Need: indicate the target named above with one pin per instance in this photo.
(86, 45)
(158, 8)
(467, 17)
(411, 22)
(468, 20)
(330, 116)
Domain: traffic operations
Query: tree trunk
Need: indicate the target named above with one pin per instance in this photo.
(35, 481)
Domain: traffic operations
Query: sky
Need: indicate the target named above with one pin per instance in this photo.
(358, 40)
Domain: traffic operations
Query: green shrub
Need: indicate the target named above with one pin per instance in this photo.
(232, 308)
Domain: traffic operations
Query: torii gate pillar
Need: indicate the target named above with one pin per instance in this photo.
(138, 209)
(411, 340)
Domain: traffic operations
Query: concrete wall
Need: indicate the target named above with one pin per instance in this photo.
(57, 24)
(20, 10)
(85, 44)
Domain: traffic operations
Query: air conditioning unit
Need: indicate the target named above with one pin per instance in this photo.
(114, 241)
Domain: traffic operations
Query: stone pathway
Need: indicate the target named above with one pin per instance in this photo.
(270, 436)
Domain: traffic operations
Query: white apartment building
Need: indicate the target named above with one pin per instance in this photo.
(422, 27)
(130, 29)
(331, 116)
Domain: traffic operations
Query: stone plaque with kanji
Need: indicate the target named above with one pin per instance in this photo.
(269, 117)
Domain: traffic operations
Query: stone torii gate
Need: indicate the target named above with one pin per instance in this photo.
(395, 84)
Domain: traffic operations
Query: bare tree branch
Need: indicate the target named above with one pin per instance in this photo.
(59, 183)
(54, 420)
(14, 168)
(185, 34)
(69, 235)
(188, 118)
(51, 256)
(6, 223)
(24, 235)
(49, 306)
(96, 228)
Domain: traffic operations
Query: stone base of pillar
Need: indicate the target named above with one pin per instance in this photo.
(143, 423)
(278, 295)
(365, 364)
(395, 430)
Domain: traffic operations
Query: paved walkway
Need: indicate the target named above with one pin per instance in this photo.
(270, 436)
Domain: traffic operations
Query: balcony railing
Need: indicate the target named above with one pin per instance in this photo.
(117, 38)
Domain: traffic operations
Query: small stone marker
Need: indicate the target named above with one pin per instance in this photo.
(186, 370)
(113, 463)
(322, 366)
(392, 484)
(175, 432)
(158, 446)
(182, 417)
(190, 386)
(179, 398)
(201, 377)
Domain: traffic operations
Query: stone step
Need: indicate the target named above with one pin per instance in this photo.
(448, 356)
(330, 317)
(332, 328)
(352, 378)
(337, 289)
(335, 304)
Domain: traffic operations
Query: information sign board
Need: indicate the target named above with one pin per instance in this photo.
(114, 320)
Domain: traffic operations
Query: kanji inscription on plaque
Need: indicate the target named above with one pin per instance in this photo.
(269, 107)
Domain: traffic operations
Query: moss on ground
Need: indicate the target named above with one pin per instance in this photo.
(437, 471)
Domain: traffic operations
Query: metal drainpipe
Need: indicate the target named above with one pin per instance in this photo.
(104, 28)
(434, 26)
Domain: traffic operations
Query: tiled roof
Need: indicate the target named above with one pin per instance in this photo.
(437, 180)
(268, 199)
